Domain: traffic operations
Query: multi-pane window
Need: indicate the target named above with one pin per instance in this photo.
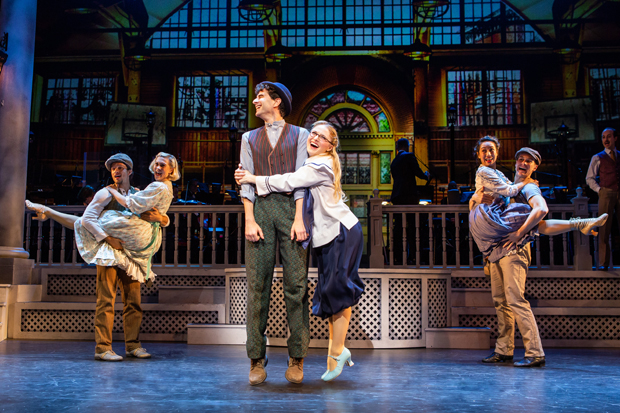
(355, 167)
(212, 101)
(386, 164)
(218, 24)
(486, 97)
(81, 101)
(605, 92)
(357, 110)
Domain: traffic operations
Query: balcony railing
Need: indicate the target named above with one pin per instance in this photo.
(431, 236)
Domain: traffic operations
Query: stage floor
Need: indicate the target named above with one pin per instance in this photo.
(63, 376)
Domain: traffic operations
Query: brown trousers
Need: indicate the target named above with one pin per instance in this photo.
(608, 201)
(508, 288)
(108, 280)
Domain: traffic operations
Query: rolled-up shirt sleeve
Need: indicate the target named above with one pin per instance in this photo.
(302, 155)
(305, 177)
(90, 218)
(493, 183)
(247, 190)
(593, 171)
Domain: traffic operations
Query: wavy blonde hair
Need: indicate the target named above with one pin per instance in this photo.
(172, 161)
(333, 135)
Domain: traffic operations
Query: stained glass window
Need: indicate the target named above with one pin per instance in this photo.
(605, 92)
(491, 97)
(358, 111)
(212, 101)
(81, 101)
(386, 164)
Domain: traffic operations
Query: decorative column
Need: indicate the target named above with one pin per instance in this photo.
(18, 19)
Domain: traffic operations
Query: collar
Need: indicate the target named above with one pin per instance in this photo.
(275, 125)
(607, 151)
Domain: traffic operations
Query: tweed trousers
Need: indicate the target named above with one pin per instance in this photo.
(508, 287)
(108, 279)
(275, 214)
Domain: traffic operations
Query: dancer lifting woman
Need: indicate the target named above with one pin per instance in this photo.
(501, 227)
(139, 239)
(336, 236)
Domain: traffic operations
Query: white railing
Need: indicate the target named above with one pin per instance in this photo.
(432, 236)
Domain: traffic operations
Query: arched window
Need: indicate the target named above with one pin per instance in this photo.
(350, 111)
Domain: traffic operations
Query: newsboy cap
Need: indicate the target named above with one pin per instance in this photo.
(285, 95)
(119, 157)
(532, 152)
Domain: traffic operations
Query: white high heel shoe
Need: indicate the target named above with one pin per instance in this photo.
(39, 209)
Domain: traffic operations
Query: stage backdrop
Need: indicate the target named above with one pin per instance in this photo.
(127, 122)
(576, 113)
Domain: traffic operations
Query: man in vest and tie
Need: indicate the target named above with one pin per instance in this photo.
(275, 148)
(605, 165)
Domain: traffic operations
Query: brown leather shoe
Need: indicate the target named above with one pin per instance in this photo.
(257, 371)
(295, 371)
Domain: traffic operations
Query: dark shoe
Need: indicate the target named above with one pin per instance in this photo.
(257, 371)
(295, 371)
(497, 358)
(531, 362)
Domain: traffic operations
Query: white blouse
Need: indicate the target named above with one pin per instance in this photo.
(318, 175)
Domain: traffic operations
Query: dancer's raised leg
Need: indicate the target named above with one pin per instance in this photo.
(560, 226)
(44, 212)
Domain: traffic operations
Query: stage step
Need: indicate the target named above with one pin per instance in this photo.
(75, 321)
(191, 294)
(478, 338)
(216, 334)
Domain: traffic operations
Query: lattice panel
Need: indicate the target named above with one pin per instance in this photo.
(437, 303)
(366, 315)
(471, 282)
(573, 288)
(86, 284)
(238, 300)
(405, 309)
(277, 326)
(83, 321)
(559, 327)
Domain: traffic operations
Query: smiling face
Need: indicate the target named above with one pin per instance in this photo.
(526, 165)
(120, 173)
(487, 153)
(266, 107)
(162, 169)
(319, 141)
(608, 139)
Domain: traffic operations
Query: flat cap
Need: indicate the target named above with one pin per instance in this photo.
(532, 152)
(119, 157)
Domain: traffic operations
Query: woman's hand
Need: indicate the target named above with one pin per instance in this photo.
(531, 181)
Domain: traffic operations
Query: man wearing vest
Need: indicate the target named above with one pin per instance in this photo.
(275, 148)
(605, 165)
(108, 278)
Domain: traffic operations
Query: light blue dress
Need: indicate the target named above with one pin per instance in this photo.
(141, 239)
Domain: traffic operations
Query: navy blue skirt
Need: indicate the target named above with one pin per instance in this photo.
(339, 286)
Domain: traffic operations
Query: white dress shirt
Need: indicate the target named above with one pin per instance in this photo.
(318, 175)
(273, 133)
(593, 170)
(90, 218)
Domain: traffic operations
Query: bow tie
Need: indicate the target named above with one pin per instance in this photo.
(273, 125)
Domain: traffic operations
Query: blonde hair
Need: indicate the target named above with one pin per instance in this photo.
(172, 161)
(333, 135)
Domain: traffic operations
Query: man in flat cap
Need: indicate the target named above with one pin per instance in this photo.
(109, 278)
(509, 273)
(275, 148)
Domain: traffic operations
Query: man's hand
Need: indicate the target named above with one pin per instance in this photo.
(115, 243)
(480, 197)
(298, 230)
(154, 216)
(253, 232)
(513, 239)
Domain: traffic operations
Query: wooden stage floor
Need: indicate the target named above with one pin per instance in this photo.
(62, 376)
